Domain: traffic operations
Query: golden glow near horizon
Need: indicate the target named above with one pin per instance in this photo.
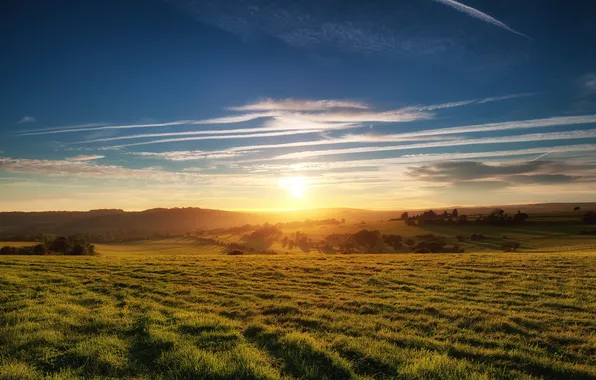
(296, 186)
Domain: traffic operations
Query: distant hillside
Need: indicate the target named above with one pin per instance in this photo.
(176, 221)
(354, 215)
(162, 221)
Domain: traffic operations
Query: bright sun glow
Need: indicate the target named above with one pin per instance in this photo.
(295, 186)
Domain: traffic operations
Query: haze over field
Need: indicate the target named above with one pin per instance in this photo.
(274, 105)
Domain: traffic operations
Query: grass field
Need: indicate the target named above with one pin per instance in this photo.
(151, 314)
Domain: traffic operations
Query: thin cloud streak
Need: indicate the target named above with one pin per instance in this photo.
(291, 110)
(479, 15)
(286, 133)
(441, 134)
(99, 127)
(298, 105)
(472, 101)
(189, 155)
(415, 158)
(488, 140)
(85, 158)
(270, 127)
(27, 119)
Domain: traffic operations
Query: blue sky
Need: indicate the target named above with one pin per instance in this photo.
(245, 104)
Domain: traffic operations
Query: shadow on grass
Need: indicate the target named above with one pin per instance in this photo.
(300, 355)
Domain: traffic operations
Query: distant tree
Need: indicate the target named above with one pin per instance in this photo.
(60, 245)
(284, 242)
(366, 238)
(394, 241)
(47, 238)
(520, 217)
(445, 214)
(78, 250)
(40, 249)
(455, 214)
(404, 216)
(343, 221)
(496, 214)
(291, 245)
(8, 250)
(576, 208)
(434, 246)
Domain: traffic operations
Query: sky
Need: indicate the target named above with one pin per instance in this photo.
(278, 104)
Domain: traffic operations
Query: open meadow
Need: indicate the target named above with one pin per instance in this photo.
(162, 310)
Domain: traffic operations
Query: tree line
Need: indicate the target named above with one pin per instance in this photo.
(75, 245)
(495, 217)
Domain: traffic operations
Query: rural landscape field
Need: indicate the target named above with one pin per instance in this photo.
(187, 307)
(465, 316)
(297, 189)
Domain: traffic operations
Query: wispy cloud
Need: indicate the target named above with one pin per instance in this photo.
(507, 125)
(271, 126)
(442, 134)
(584, 134)
(315, 26)
(100, 126)
(588, 82)
(298, 105)
(85, 158)
(27, 119)
(470, 102)
(187, 155)
(217, 137)
(285, 114)
(418, 158)
(78, 168)
(479, 15)
(508, 174)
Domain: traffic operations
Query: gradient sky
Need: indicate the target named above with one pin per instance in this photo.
(276, 104)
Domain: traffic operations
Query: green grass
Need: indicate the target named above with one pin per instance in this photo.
(201, 316)
(165, 247)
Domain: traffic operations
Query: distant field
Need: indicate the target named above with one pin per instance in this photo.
(18, 244)
(538, 235)
(174, 246)
(146, 310)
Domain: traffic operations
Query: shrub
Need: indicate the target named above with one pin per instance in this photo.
(434, 246)
(8, 250)
(235, 253)
(510, 246)
(40, 249)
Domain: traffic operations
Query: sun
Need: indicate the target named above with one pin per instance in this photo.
(296, 186)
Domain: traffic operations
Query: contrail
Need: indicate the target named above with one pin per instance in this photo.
(539, 157)
(479, 15)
